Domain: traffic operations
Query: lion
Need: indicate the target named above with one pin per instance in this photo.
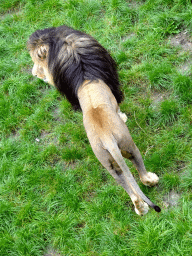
(82, 70)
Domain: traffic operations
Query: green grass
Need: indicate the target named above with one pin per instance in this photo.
(53, 191)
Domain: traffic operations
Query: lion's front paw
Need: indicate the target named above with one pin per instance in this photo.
(141, 208)
(151, 179)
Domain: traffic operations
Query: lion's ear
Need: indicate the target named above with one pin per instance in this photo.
(42, 52)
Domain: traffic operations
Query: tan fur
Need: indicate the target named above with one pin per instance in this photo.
(106, 130)
(40, 68)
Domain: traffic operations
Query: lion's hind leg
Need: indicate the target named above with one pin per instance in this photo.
(141, 208)
(110, 164)
(147, 178)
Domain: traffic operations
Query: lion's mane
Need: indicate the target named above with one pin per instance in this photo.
(75, 57)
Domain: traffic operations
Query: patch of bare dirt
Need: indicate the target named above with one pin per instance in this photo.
(157, 98)
(186, 68)
(134, 4)
(128, 37)
(171, 199)
(184, 41)
(52, 252)
(14, 11)
(57, 115)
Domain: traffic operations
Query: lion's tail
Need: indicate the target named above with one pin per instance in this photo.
(116, 154)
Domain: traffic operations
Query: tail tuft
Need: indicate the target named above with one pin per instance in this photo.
(157, 208)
